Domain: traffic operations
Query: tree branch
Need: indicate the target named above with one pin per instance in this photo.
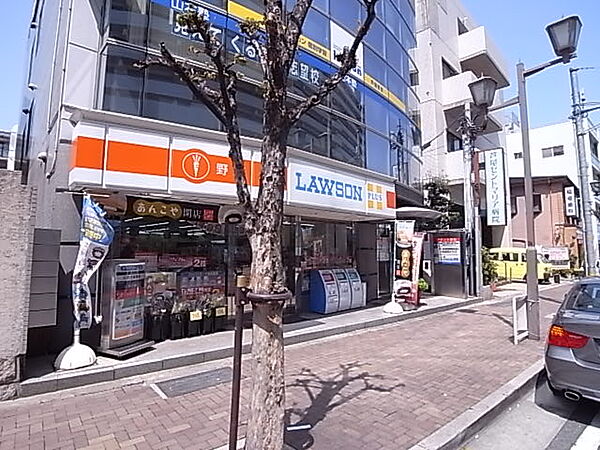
(227, 79)
(195, 82)
(252, 30)
(275, 49)
(348, 62)
(295, 23)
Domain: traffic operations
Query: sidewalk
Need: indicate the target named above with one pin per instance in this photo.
(386, 387)
(42, 378)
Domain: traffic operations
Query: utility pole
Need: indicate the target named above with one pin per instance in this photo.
(467, 141)
(533, 310)
(471, 199)
(582, 167)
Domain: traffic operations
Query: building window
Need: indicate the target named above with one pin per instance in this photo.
(462, 28)
(129, 21)
(537, 203)
(549, 152)
(347, 13)
(3, 149)
(414, 78)
(447, 70)
(326, 244)
(453, 142)
(518, 155)
(594, 145)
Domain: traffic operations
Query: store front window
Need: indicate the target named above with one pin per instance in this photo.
(188, 255)
(182, 246)
(326, 245)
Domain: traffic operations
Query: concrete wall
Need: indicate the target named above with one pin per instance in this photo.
(17, 211)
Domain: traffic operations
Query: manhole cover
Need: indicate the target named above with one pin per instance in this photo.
(196, 382)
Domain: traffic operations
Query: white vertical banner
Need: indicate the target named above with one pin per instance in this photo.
(495, 187)
(570, 202)
(340, 39)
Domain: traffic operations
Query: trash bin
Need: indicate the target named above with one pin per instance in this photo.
(557, 278)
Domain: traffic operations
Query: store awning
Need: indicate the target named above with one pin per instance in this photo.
(415, 212)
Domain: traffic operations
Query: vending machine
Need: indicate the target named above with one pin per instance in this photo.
(122, 307)
(324, 295)
(356, 289)
(344, 289)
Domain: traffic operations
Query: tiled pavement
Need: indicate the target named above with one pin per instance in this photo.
(386, 387)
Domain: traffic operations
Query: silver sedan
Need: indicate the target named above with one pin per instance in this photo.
(573, 346)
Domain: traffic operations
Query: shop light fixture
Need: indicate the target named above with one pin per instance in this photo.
(160, 224)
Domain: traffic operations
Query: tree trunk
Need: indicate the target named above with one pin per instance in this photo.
(266, 422)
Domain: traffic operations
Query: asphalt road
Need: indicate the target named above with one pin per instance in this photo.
(541, 421)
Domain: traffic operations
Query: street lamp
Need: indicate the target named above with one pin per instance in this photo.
(564, 35)
(483, 91)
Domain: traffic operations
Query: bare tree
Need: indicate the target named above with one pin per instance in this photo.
(275, 39)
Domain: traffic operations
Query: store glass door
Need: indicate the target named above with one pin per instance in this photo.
(384, 258)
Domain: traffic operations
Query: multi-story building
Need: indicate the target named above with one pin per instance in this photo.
(93, 122)
(556, 185)
(453, 51)
(5, 150)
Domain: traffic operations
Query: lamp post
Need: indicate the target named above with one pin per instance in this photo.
(582, 166)
(483, 91)
(564, 36)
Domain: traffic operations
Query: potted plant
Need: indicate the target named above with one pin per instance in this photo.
(179, 321)
(219, 312)
(195, 320)
(422, 286)
(488, 269)
(159, 326)
(208, 310)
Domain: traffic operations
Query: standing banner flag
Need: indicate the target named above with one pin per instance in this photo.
(418, 239)
(404, 256)
(94, 240)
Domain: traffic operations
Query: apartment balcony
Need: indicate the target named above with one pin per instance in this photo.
(480, 55)
(455, 90)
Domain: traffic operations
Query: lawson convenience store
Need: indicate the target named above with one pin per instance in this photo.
(167, 188)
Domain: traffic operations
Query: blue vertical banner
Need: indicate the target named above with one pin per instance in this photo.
(94, 240)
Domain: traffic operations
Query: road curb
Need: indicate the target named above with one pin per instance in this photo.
(452, 435)
(66, 380)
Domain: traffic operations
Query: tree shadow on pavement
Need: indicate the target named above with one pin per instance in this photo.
(498, 316)
(550, 299)
(582, 412)
(326, 394)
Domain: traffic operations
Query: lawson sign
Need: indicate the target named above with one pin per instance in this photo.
(313, 185)
(328, 186)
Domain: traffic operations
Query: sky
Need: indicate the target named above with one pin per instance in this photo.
(516, 26)
(518, 29)
(14, 26)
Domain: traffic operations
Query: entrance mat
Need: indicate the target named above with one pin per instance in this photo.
(192, 383)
